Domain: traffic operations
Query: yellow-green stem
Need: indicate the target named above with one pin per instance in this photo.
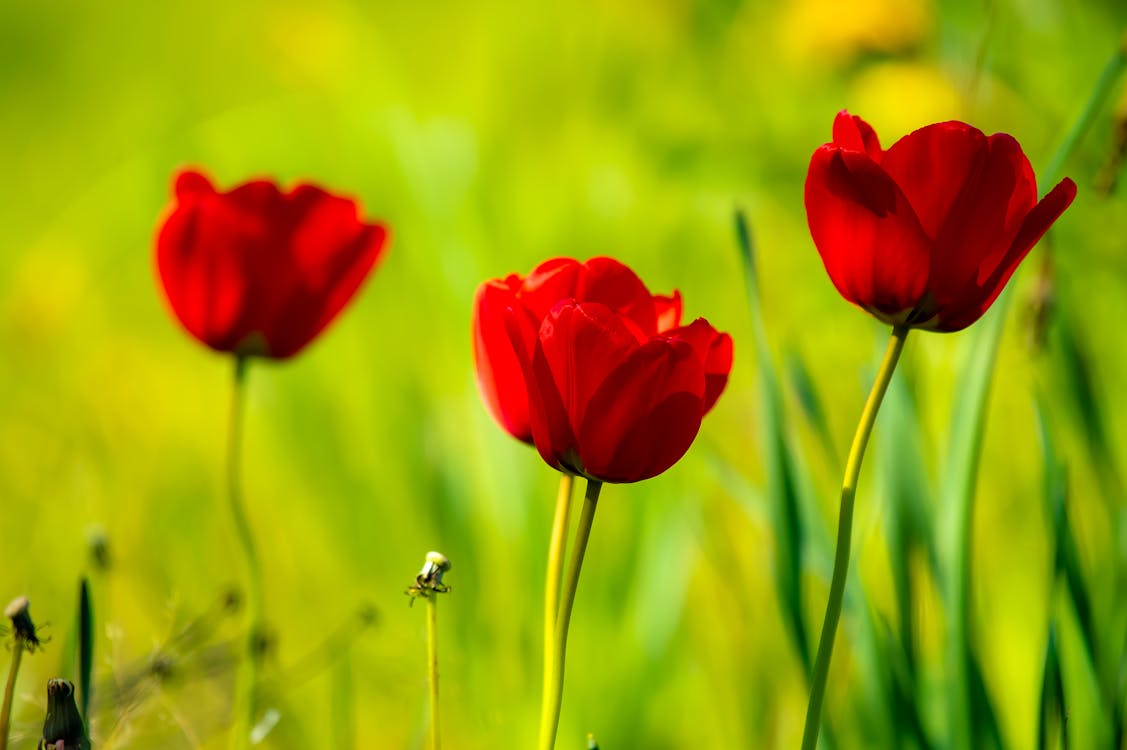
(9, 691)
(247, 682)
(432, 667)
(844, 538)
(555, 573)
(553, 681)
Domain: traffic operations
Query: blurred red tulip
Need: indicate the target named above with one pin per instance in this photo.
(615, 388)
(259, 272)
(927, 233)
(499, 376)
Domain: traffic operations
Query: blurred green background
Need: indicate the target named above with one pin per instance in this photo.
(490, 136)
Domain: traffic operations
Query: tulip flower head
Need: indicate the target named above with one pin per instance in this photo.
(926, 233)
(609, 383)
(500, 378)
(260, 272)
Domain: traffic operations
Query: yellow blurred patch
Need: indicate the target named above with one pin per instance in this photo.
(43, 293)
(897, 98)
(314, 43)
(831, 32)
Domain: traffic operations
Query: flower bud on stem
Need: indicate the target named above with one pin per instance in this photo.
(428, 585)
(844, 537)
(23, 636)
(63, 727)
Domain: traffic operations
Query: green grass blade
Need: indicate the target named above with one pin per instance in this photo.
(811, 404)
(908, 726)
(988, 732)
(781, 484)
(909, 515)
(343, 703)
(1078, 389)
(1051, 711)
(968, 425)
(85, 646)
(1066, 560)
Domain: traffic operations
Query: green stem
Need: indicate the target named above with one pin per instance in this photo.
(9, 691)
(555, 573)
(553, 681)
(247, 684)
(844, 537)
(432, 667)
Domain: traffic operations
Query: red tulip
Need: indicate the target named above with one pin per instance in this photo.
(927, 233)
(612, 394)
(499, 376)
(256, 271)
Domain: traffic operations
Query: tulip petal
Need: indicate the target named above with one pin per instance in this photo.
(602, 280)
(712, 348)
(669, 310)
(582, 344)
(332, 253)
(577, 347)
(852, 133)
(1033, 228)
(871, 243)
(646, 413)
(994, 188)
(547, 414)
(198, 260)
(191, 184)
(500, 377)
(932, 166)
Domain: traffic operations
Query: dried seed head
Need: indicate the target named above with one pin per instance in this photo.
(18, 611)
(429, 579)
(436, 564)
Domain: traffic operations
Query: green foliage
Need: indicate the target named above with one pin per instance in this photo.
(491, 136)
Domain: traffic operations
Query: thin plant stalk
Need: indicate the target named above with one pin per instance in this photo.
(555, 573)
(9, 691)
(432, 669)
(844, 537)
(247, 682)
(553, 694)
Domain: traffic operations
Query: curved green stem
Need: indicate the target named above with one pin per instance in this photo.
(553, 681)
(432, 668)
(844, 537)
(9, 691)
(247, 684)
(555, 573)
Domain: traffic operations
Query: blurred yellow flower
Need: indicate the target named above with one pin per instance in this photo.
(828, 31)
(897, 96)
